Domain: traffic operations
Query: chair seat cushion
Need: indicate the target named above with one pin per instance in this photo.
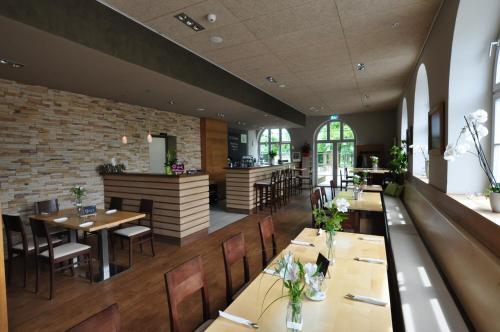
(204, 326)
(66, 249)
(131, 231)
(31, 244)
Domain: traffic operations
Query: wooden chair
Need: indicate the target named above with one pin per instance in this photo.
(234, 250)
(266, 228)
(266, 192)
(345, 180)
(116, 203)
(61, 255)
(333, 185)
(315, 204)
(137, 233)
(107, 320)
(26, 247)
(324, 197)
(183, 281)
(48, 206)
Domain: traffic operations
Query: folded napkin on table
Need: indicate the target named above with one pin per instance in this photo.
(236, 319)
(366, 299)
(61, 219)
(370, 260)
(111, 211)
(302, 243)
(369, 238)
(86, 224)
(319, 232)
(270, 271)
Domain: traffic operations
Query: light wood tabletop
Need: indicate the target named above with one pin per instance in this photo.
(100, 221)
(335, 313)
(372, 188)
(371, 170)
(367, 201)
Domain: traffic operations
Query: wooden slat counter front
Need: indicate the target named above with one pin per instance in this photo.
(181, 209)
(240, 190)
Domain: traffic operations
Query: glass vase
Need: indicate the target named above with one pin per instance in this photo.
(294, 317)
(78, 205)
(330, 247)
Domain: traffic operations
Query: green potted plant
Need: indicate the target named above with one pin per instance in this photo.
(272, 155)
(171, 160)
(398, 165)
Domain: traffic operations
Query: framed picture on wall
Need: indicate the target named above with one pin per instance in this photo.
(296, 157)
(436, 128)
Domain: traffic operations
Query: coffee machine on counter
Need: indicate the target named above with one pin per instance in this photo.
(247, 161)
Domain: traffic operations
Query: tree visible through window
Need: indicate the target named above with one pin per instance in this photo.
(277, 140)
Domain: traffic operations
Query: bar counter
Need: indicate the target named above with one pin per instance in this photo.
(181, 210)
(240, 186)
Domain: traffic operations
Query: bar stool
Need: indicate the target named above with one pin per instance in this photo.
(265, 193)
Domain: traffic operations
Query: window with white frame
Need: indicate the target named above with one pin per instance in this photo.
(496, 114)
(277, 140)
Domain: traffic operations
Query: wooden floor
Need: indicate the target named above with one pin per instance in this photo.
(140, 291)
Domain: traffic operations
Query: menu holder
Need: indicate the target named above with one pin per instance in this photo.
(323, 263)
(87, 211)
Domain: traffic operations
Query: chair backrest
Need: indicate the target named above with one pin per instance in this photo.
(14, 224)
(116, 203)
(183, 281)
(40, 230)
(146, 206)
(48, 206)
(333, 185)
(107, 320)
(266, 228)
(234, 250)
(324, 197)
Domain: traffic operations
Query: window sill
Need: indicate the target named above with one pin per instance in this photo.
(422, 178)
(479, 204)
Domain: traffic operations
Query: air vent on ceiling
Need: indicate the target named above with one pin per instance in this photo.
(188, 21)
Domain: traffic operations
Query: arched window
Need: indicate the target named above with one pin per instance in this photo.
(420, 122)
(404, 120)
(334, 148)
(496, 115)
(277, 140)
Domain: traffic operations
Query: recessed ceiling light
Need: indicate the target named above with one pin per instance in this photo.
(189, 22)
(360, 66)
(282, 85)
(12, 64)
(220, 115)
(216, 39)
(171, 102)
(266, 115)
(3, 62)
(366, 96)
(200, 109)
(395, 24)
(271, 79)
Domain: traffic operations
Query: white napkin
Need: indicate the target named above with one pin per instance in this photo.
(61, 219)
(370, 260)
(302, 243)
(370, 300)
(86, 224)
(111, 211)
(235, 319)
(270, 271)
(369, 238)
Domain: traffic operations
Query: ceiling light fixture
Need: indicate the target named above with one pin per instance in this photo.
(149, 138)
(271, 79)
(282, 86)
(12, 64)
(395, 24)
(200, 109)
(360, 66)
(216, 39)
(189, 22)
(171, 102)
(220, 115)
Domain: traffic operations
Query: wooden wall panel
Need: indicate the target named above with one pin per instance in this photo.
(181, 209)
(4, 326)
(213, 148)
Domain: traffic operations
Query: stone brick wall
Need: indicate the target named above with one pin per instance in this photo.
(52, 140)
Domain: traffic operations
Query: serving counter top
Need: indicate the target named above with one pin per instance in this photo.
(257, 167)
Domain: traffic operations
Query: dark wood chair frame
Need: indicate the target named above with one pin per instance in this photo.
(266, 231)
(234, 250)
(315, 204)
(116, 203)
(107, 320)
(145, 206)
(40, 230)
(183, 281)
(333, 185)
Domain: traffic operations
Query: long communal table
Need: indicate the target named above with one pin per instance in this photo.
(335, 313)
(101, 223)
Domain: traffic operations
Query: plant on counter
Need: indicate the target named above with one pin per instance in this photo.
(331, 221)
(110, 168)
(374, 160)
(272, 155)
(171, 161)
(469, 141)
(78, 192)
(399, 162)
(306, 149)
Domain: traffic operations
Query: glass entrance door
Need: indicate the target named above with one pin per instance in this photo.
(325, 163)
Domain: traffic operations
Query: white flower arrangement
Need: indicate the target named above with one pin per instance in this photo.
(470, 136)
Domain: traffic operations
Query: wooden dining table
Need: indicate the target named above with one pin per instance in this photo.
(336, 312)
(101, 223)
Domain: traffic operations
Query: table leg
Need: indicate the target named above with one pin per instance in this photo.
(357, 222)
(103, 255)
(73, 237)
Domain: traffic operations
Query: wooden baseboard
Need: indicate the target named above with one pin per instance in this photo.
(185, 240)
(245, 211)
